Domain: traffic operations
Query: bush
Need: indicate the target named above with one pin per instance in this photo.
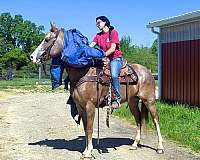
(15, 58)
(141, 55)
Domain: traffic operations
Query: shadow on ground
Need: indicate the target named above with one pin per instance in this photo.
(78, 144)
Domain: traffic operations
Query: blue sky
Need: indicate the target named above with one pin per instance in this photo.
(129, 17)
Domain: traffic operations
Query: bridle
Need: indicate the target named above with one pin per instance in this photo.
(45, 56)
(48, 45)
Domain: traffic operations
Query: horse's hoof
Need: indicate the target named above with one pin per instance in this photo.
(160, 151)
(84, 157)
(133, 148)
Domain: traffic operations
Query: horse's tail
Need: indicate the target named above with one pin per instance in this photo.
(144, 116)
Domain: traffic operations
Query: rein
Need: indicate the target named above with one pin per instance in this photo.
(97, 79)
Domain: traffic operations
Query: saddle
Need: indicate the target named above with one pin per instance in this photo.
(127, 77)
(127, 74)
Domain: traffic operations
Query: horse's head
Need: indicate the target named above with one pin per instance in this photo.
(51, 45)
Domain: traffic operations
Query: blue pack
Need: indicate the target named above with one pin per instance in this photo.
(77, 52)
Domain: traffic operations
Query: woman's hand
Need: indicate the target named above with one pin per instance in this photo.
(92, 44)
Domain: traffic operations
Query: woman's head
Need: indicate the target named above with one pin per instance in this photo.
(103, 21)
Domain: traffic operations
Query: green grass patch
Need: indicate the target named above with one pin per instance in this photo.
(179, 123)
(27, 85)
(17, 82)
(125, 113)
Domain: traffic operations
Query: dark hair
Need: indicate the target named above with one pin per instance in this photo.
(105, 19)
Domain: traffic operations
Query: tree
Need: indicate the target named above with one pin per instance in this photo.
(16, 57)
(154, 47)
(18, 36)
(3, 46)
(125, 43)
(138, 54)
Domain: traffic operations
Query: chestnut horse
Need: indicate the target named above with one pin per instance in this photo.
(85, 94)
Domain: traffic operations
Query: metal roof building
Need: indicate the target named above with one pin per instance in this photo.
(179, 58)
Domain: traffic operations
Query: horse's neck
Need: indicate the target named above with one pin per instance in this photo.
(58, 45)
(76, 74)
(61, 38)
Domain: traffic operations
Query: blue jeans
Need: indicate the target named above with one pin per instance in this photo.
(56, 70)
(115, 68)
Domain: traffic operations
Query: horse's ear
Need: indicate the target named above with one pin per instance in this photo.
(53, 27)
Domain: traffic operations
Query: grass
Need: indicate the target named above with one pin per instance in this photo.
(179, 123)
(28, 85)
(124, 113)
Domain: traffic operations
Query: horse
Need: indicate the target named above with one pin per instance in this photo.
(85, 95)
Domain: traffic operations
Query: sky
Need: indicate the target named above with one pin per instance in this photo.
(129, 17)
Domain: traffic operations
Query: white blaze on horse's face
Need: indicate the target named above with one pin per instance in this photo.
(35, 56)
(41, 49)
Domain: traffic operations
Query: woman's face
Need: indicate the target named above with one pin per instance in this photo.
(100, 24)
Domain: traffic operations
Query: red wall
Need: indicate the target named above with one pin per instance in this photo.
(180, 72)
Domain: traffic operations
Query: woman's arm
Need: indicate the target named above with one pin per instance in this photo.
(111, 49)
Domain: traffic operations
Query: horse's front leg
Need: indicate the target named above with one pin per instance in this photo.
(88, 120)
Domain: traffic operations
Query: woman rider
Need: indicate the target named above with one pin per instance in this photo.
(107, 39)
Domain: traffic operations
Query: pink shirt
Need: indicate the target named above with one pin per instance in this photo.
(104, 42)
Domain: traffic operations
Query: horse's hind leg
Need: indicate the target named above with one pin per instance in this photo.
(133, 105)
(88, 119)
(150, 104)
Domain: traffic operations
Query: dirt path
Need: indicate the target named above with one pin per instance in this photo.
(38, 126)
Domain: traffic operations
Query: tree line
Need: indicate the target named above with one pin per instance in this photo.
(19, 37)
(140, 54)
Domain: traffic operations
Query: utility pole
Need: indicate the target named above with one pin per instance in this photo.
(40, 73)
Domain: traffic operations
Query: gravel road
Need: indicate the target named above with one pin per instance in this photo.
(38, 126)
